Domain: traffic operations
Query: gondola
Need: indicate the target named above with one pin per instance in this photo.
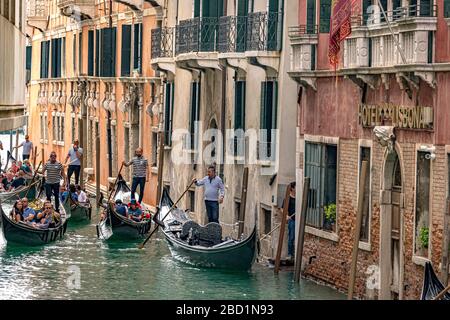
(204, 246)
(121, 226)
(77, 211)
(21, 192)
(23, 234)
(431, 285)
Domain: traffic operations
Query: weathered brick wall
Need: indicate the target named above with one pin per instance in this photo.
(330, 261)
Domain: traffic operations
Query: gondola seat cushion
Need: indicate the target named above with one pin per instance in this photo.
(209, 235)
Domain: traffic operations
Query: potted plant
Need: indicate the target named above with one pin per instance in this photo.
(424, 234)
(330, 216)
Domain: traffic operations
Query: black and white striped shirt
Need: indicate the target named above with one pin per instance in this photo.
(53, 172)
(140, 165)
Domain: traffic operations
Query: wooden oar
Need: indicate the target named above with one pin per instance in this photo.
(32, 180)
(112, 191)
(141, 246)
(268, 234)
(442, 293)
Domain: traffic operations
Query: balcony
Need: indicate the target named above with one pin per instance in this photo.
(77, 9)
(304, 40)
(163, 49)
(37, 14)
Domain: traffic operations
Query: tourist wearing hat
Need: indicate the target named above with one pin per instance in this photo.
(134, 212)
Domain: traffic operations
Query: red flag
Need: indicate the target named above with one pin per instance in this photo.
(340, 28)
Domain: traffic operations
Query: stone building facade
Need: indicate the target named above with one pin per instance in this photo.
(387, 103)
(91, 76)
(223, 64)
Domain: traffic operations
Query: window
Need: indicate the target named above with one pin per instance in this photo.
(137, 63)
(239, 118)
(195, 112)
(6, 9)
(126, 51)
(268, 119)
(191, 200)
(57, 57)
(28, 57)
(321, 168)
(80, 53)
(127, 150)
(365, 10)
(422, 222)
(325, 11)
(168, 114)
(45, 53)
(266, 220)
(97, 53)
(154, 160)
(74, 127)
(447, 8)
(91, 53)
(74, 54)
(311, 16)
(237, 210)
(108, 52)
(114, 150)
(44, 127)
(365, 226)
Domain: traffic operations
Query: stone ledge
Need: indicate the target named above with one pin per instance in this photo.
(365, 246)
(322, 234)
(421, 261)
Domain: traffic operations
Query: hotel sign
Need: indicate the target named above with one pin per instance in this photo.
(404, 117)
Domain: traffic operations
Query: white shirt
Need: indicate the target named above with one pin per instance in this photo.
(82, 197)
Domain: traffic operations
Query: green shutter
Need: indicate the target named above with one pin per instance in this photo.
(137, 64)
(113, 50)
(274, 105)
(97, 53)
(262, 115)
(365, 13)
(54, 49)
(446, 8)
(28, 57)
(242, 9)
(196, 8)
(126, 51)
(274, 6)
(168, 117)
(91, 53)
(325, 11)
(310, 16)
(108, 52)
(239, 111)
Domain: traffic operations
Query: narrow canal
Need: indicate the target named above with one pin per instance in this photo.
(118, 270)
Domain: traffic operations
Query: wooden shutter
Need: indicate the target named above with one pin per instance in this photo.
(242, 9)
(274, 105)
(262, 115)
(313, 170)
(126, 51)
(330, 174)
(239, 112)
(97, 52)
(108, 52)
(28, 57)
(91, 52)
(113, 52)
(310, 16)
(170, 86)
(137, 64)
(54, 49)
(196, 8)
(325, 11)
(274, 6)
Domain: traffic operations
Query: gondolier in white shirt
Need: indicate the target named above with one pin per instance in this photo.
(140, 173)
(27, 148)
(214, 193)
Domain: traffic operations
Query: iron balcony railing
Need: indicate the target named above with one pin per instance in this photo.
(232, 33)
(162, 42)
(264, 31)
(398, 14)
(197, 35)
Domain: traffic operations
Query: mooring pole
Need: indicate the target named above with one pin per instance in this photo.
(97, 169)
(34, 157)
(282, 229)
(445, 245)
(301, 231)
(160, 166)
(17, 143)
(243, 202)
(359, 214)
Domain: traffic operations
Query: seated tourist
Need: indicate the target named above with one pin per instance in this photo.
(120, 208)
(19, 180)
(14, 167)
(17, 211)
(48, 217)
(81, 195)
(7, 181)
(73, 192)
(134, 212)
(63, 193)
(28, 213)
(26, 167)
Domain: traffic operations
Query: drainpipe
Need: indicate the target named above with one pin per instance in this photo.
(110, 155)
(223, 108)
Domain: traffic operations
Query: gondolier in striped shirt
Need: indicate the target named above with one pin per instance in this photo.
(140, 173)
(54, 172)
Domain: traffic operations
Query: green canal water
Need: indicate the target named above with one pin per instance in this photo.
(118, 270)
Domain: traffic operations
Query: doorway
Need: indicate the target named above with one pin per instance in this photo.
(391, 244)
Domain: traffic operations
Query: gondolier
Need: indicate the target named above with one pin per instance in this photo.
(54, 172)
(214, 193)
(27, 148)
(140, 173)
(75, 153)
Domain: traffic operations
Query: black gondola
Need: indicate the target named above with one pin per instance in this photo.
(204, 246)
(121, 226)
(431, 285)
(24, 234)
(77, 211)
